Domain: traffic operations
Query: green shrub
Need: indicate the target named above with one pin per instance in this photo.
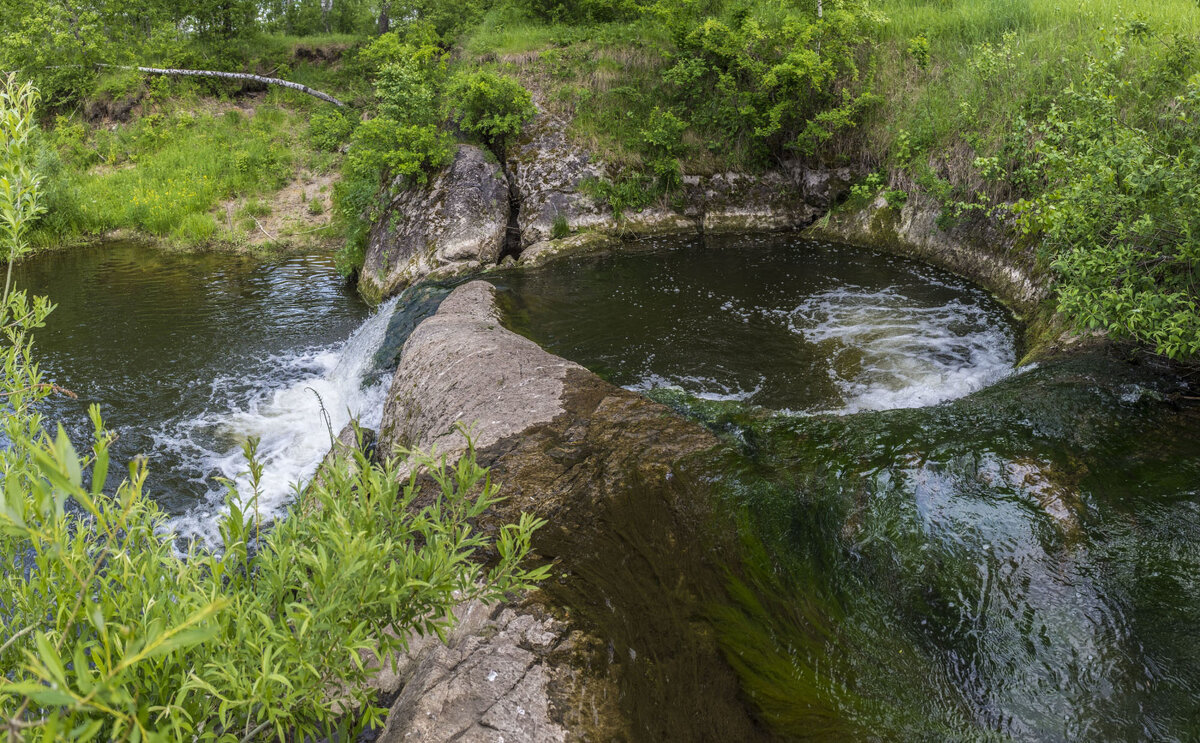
(490, 106)
(918, 49)
(329, 129)
(408, 152)
(1120, 214)
(20, 183)
(896, 198)
(780, 79)
(349, 258)
(580, 11)
(663, 138)
(405, 95)
(417, 43)
(863, 192)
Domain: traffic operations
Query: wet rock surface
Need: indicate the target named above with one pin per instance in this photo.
(608, 649)
(457, 222)
(983, 252)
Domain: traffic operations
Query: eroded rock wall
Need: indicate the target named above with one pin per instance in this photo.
(476, 211)
(984, 252)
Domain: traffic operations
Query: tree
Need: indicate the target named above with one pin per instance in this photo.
(490, 106)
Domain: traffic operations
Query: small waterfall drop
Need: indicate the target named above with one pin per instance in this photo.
(288, 419)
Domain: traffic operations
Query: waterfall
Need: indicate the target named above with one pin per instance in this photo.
(288, 418)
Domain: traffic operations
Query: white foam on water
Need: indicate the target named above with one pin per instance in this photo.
(701, 387)
(889, 351)
(283, 407)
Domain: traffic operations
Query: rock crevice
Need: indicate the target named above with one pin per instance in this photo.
(483, 209)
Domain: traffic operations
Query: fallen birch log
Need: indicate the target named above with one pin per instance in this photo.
(233, 76)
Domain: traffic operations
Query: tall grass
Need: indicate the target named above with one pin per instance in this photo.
(996, 67)
(165, 174)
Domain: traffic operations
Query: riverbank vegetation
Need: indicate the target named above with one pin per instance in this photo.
(109, 634)
(1069, 124)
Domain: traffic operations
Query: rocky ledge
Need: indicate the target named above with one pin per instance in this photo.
(459, 220)
(984, 251)
(478, 211)
(608, 648)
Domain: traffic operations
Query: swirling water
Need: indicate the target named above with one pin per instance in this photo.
(782, 323)
(944, 547)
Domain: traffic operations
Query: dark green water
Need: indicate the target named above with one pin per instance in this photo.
(770, 321)
(933, 546)
(190, 354)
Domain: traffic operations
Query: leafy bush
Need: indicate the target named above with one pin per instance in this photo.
(780, 80)
(404, 94)
(416, 44)
(329, 129)
(664, 141)
(918, 49)
(490, 106)
(1120, 214)
(896, 198)
(863, 192)
(408, 152)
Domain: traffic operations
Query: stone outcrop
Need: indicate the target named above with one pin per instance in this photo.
(788, 198)
(463, 366)
(546, 171)
(607, 649)
(984, 252)
(458, 222)
(487, 682)
(475, 211)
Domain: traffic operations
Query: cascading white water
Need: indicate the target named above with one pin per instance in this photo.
(887, 351)
(285, 406)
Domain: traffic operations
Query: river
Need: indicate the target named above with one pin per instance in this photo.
(936, 543)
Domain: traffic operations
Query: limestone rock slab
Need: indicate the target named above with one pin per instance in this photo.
(459, 219)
